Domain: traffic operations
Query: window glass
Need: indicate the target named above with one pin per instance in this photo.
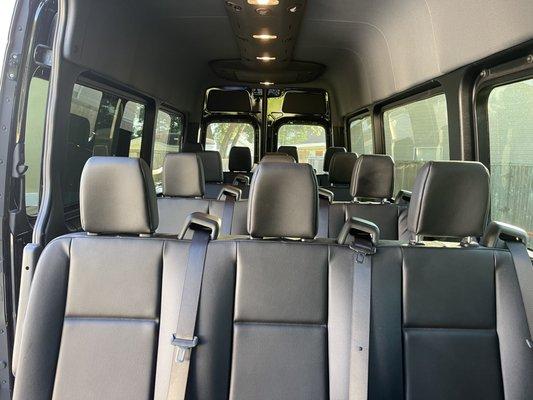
(414, 134)
(33, 142)
(168, 137)
(510, 113)
(222, 136)
(361, 137)
(131, 126)
(95, 129)
(310, 141)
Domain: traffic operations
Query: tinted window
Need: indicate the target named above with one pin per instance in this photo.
(222, 136)
(100, 124)
(310, 141)
(168, 137)
(33, 142)
(361, 138)
(510, 112)
(415, 133)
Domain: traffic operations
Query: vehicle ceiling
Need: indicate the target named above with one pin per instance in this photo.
(371, 49)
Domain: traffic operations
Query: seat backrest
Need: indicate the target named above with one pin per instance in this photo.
(340, 174)
(447, 320)
(290, 150)
(91, 291)
(240, 163)
(371, 187)
(183, 194)
(329, 154)
(213, 173)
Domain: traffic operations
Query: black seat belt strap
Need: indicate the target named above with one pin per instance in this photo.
(184, 339)
(524, 273)
(232, 195)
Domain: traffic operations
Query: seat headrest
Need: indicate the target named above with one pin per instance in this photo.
(212, 163)
(240, 159)
(283, 201)
(277, 158)
(79, 131)
(329, 153)
(373, 177)
(183, 175)
(290, 150)
(450, 199)
(341, 168)
(117, 196)
(189, 147)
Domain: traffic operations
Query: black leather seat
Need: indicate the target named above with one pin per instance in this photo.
(340, 175)
(240, 164)
(323, 179)
(183, 194)
(371, 189)
(277, 158)
(276, 311)
(214, 176)
(289, 150)
(192, 147)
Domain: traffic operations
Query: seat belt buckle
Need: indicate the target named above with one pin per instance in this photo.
(183, 345)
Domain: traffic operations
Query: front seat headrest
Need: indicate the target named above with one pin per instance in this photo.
(290, 150)
(240, 159)
(183, 175)
(450, 199)
(329, 153)
(117, 196)
(277, 158)
(341, 168)
(212, 163)
(373, 177)
(189, 147)
(283, 201)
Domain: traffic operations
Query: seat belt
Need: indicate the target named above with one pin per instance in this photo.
(184, 339)
(361, 308)
(325, 197)
(232, 195)
(524, 273)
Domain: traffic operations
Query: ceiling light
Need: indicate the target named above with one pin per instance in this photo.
(266, 83)
(264, 2)
(266, 58)
(265, 36)
(262, 11)
(293, 9)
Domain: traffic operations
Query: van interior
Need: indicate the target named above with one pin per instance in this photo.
(267, 199)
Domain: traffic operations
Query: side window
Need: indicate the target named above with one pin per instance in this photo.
(361, 137)
(168, 138)
(33, 146)
(310, 141)
(510, 125)
(101, 124)
(415, 133)
(222, 136)
(131, 128)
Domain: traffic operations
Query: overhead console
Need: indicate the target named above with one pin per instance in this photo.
(266, 32)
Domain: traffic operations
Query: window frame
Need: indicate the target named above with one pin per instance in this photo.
(224, 118)
(361, 114)
(487, 81)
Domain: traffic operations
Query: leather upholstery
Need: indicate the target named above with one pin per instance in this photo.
(329, 153)
(190, 147)
(277, 158)
(373, 177)
(240, 159)
(450, 199)
(283, 201)
(212, 162)
(117, 195)
(290, 150)
(183, 175)
(341, 168)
